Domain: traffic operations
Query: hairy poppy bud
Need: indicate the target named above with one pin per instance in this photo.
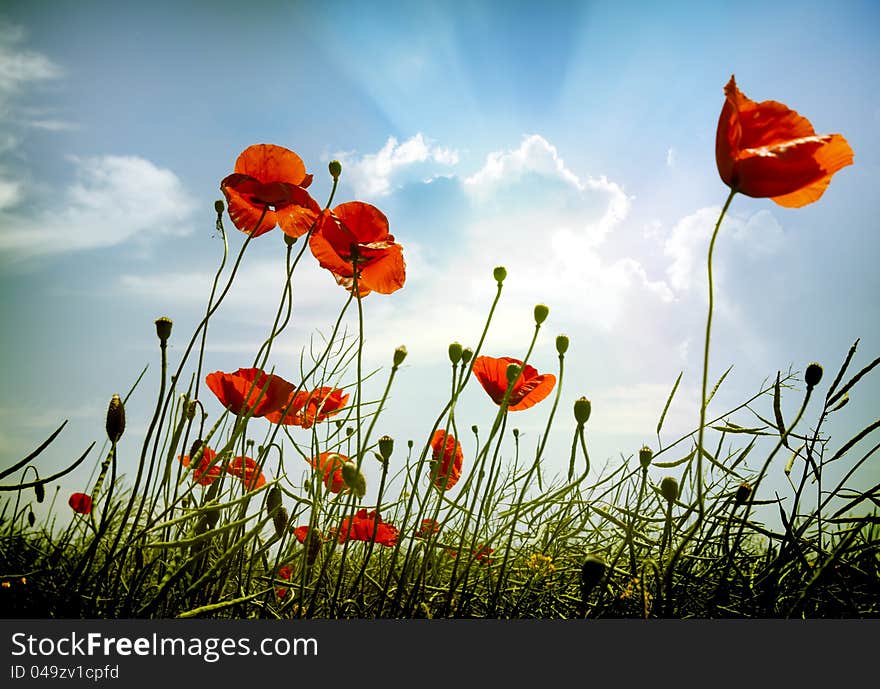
(279, 520)
(163, 328)
(541, 313)
(219, 207)
(386, 447)
(455, 352)
(191, 410)
(562, 344)
(335, 168)
(399, 355)
(646, 454)
(743, 493)
(31, 517)
(39, 492)
(499, 274)
(592, 571)
(466, 355)
(582, 409)
(115, 419)
(669, 488)
(354, 479)
(813, 375)
(513, 371)
(273, 500)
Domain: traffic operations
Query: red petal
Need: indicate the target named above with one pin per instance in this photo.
(271, 163)
(386, 274)
(365, 222)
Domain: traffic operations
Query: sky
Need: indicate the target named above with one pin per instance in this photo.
(571, 142)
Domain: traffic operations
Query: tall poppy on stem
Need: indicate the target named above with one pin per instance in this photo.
(446, 460)
(81, 503)
(356, 234)
(207, 470)
(243, 390)
(529, 388)
(270, 182)
(767, 150)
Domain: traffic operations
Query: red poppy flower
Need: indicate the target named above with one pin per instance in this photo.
(361, 528)
(284, 572)
(529, 389)
(205, 473)
(768, 150)
(482, 553)
(358, 232)
(248, 471)
(427, 527)
(446, 460)
(232, 389)
(272, 179)
(330, 464)
(309, 408)
(80, 502)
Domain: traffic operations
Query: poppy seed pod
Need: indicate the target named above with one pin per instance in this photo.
(280, 519)
(466, 354)
(592, 572)
(399, 355)
(513, 371)
(115, 419)
(813, 375)
(669, 488)
(646, 454)
(541, 313)
(335, 168)
(474, 429)
(219, 206)
(354, 479)
(562, 344)
(499, 274)
(743, 493)
(386, 447)
(582, 409)
(288, 239)
(455, 352)
(163, 328)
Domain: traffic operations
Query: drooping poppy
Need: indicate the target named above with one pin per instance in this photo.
(356, 233)
(310, 407)
(530, 386)
(208, 470)
(446, 460)
(361, 528)
(330, 465)
(248, 471)
(767, 150)
(81, 503)
(244, 389)
(272, 179)
(427, 527)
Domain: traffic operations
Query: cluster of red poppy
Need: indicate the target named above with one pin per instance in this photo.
(362, 526)
(352, 241)
(209, 470)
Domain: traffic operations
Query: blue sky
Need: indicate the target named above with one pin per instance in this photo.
(571, 142)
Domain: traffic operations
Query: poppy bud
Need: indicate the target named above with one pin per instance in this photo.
(31, 517)
(115, 419)
(39, 492)
(582, 408)
(386, 447)
(191, 410)
(399, 355)
(466, 355)
(499, 274)
(516, 433)
(280, 519)
(743, 493)
(669, 488)
(813, 375)
(335, 168)
(513, 371)
(474, 429)
(541, 313)
(273, 500)
(163, 329)
(218, 206)
(409, 443)
(646, 454)
(354, 479)
(562, 344)
(592, 572)
(455, 352)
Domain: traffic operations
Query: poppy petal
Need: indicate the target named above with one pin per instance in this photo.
(268, 162)
(243, 212)
(386, 274)
(534, 390)
(366, 222)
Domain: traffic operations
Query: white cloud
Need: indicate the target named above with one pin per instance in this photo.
(18, 67)
(377, 174)
(113, 200)
(671, 157)
(10, 193)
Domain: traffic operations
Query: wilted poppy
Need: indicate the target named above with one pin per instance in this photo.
(80, 502)
(446, 460)
(361, 528)
(310, 407)
(330, 466)
(232, 389)
(207, 471)
(357, 233)
(270, 179)
(248, 471)
(530, 386)
(768, 150)
(427, 527)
